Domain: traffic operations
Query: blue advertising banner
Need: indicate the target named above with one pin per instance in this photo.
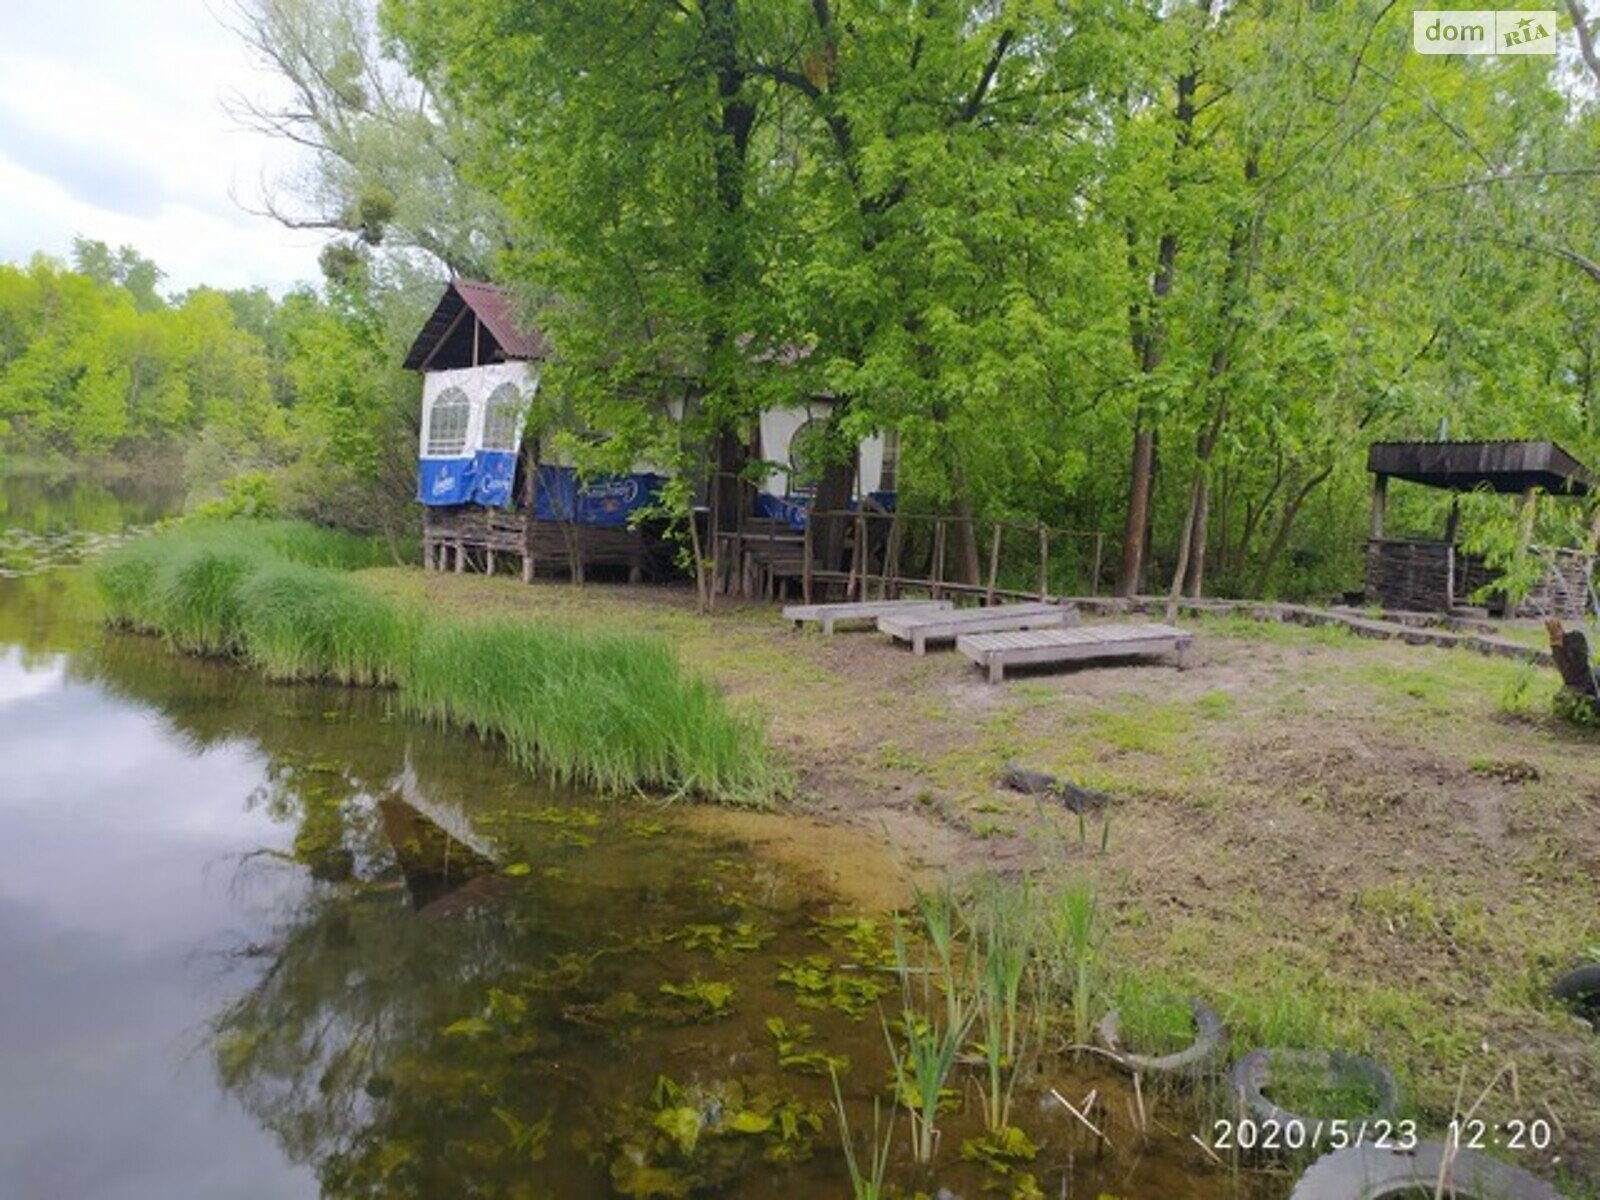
(793, 510)
(609, 501)
(445, 481)
(614, 500)
(493, 473)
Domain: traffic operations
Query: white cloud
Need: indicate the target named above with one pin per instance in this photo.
(112, 126)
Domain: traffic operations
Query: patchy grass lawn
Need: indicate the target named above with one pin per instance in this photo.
(1394, 848)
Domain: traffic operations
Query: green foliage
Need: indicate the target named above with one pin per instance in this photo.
(1269, 234)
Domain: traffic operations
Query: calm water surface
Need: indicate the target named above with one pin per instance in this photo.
(267, 941)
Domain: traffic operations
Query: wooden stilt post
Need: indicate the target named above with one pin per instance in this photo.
(1094, 577)
(938, 558)
(805, 565)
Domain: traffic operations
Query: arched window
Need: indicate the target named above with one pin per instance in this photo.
(808, 456)
(448, 419)
(502, 418)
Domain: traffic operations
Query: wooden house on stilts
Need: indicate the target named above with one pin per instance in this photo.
(492, 496)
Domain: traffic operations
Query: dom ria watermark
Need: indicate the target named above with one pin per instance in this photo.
(1484, 31)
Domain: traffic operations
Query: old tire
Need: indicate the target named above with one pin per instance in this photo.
(1211, 1035)
(1252, 1076)
(1580, 991)
(1369, 1173)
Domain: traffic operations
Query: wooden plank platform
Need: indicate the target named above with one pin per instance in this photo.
(921, 628)
(865, 610)
(997, 651)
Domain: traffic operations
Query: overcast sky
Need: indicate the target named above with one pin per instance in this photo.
(112, 126)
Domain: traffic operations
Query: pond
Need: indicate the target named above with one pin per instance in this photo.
(273, 941)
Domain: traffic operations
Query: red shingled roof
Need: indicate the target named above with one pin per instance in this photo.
(446, 339)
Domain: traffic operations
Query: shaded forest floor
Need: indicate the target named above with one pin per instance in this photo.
(1392, 847)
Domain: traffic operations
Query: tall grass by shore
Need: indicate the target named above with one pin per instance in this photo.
(612, 712)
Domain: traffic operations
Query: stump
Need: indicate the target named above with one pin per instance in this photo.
(1570, 649)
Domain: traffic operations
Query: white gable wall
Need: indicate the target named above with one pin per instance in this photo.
(479, 383)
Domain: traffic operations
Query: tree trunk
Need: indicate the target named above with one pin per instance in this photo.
(1281, 538)
(832, 495)
(1138, 517)
(1148, 336)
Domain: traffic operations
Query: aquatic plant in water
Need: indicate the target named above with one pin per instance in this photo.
(723, 941)
(690, 1138)
(868, 1184)
(935, 1019)
(706, 999)
(818, 984)
(1074, 936)
(796, 1052)
(1002, 924)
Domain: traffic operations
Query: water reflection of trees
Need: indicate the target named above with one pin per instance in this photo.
(398, 1039)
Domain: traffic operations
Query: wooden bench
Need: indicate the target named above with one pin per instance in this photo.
(997, 651)
(920, 628)
(865, 610)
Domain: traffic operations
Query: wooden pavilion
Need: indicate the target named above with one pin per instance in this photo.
(491, 494)
(1437, 575)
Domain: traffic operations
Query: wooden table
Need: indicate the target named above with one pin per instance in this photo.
(997, 651)
(921, 628)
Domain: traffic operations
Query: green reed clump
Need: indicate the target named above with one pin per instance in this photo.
(607, 711)
(925, 1042)
(1004, 929)
(195, 595)
(317, 545)
(1074, 935)
(299, 622)
(183, 581)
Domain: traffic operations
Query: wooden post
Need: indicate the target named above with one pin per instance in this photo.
(461, 556)
(891, 560)
(531, 516)
(805, 565)
(1380, 497)
(488, 560)
(938, 558)
(861, 555)
(1044, 563)
(1094, 577)
(994, 562)
(1453, 522)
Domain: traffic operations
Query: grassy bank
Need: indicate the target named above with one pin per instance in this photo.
(599, 710)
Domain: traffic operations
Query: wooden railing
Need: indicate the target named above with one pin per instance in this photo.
(996, 579)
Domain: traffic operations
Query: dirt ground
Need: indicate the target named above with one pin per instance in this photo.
(1390, 847)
